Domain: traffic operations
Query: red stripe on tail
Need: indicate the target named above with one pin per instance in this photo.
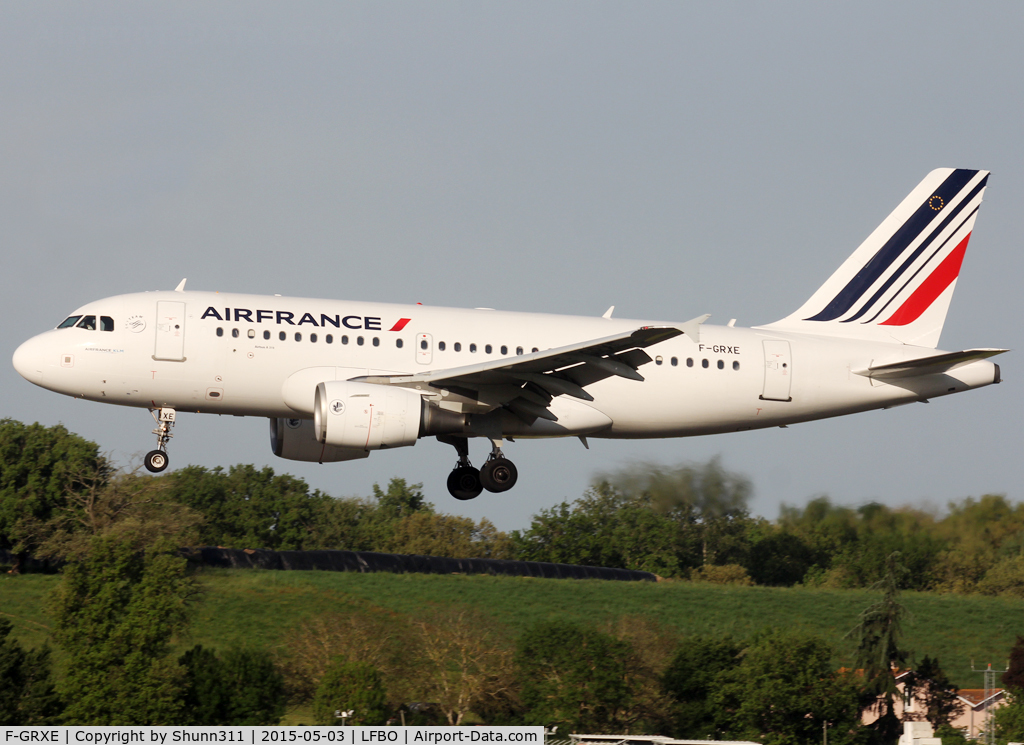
(931, 288)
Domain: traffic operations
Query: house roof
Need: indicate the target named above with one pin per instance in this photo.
(975, 697)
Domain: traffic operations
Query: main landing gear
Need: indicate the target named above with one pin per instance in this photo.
(157, 460)
(499, 474)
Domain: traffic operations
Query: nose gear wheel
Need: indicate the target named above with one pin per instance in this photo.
(157, 460)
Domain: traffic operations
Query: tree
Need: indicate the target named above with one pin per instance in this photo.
(243, 689)
(255, 686)
(878, 635)
(27, 695)
(1013, 678)
(431, 534)
(115, 613)
(39, 467)
(205, 698)
(372, 638)
(572, 676)
(1009, 719)
(466, 664)
(351, 686)
(688, 680)
(651, 648)
(931, 684)
(249, 507)
(650, 518)
(122, 504)
(784, 691)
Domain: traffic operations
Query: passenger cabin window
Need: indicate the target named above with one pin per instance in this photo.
(329, 339)
(344, 339)
(266, 335)
(312, 338)
(88, 322)
(504, 349)
(440, 345)
(282, 335)
(234, 333)
(487, 349)
(398, 343)
(519, 350)
(458, 346)
(220, 331)
(106, 323)
(69, 322)
(376, 341)
(472, 347)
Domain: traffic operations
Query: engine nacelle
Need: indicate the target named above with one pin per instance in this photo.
(295, 439)
(366, 416)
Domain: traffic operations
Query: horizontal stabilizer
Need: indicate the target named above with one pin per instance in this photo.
(933, 365)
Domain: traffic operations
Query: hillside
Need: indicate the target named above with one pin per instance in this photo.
(239, 607)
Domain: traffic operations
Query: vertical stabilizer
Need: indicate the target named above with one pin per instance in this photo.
(898, 284)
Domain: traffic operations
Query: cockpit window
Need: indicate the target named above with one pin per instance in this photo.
(88, 322)
(106, 323)
(69, 322)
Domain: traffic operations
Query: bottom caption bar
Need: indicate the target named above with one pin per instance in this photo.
(260, 735)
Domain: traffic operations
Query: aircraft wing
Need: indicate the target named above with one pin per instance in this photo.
(933, 365)
(526, 383)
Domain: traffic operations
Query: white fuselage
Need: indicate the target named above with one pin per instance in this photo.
(256, 355)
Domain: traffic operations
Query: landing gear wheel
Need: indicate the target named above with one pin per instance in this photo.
(464, 483)
(156, 461)
(499, 474)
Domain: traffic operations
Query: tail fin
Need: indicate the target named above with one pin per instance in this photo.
(897, 285)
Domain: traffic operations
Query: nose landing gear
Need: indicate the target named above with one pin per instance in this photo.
(499, 474)
(157, 460)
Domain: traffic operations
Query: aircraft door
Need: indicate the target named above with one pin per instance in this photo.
(778, 371)
(170, 331)
(424, 349)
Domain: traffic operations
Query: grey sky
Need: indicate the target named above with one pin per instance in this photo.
(672, 159)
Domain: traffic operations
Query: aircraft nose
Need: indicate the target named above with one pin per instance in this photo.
(28, 361)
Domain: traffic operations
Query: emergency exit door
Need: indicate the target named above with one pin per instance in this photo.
(778, 371)
(170, 331)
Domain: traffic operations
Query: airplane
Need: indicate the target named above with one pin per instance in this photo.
(339, 380)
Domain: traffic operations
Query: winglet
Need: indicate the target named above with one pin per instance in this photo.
(692, 327)
(608, 313)
(181, 285)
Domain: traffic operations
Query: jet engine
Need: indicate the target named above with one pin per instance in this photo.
(366, 416)
(295, 439)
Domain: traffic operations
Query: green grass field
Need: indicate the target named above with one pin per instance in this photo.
(262, 608)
